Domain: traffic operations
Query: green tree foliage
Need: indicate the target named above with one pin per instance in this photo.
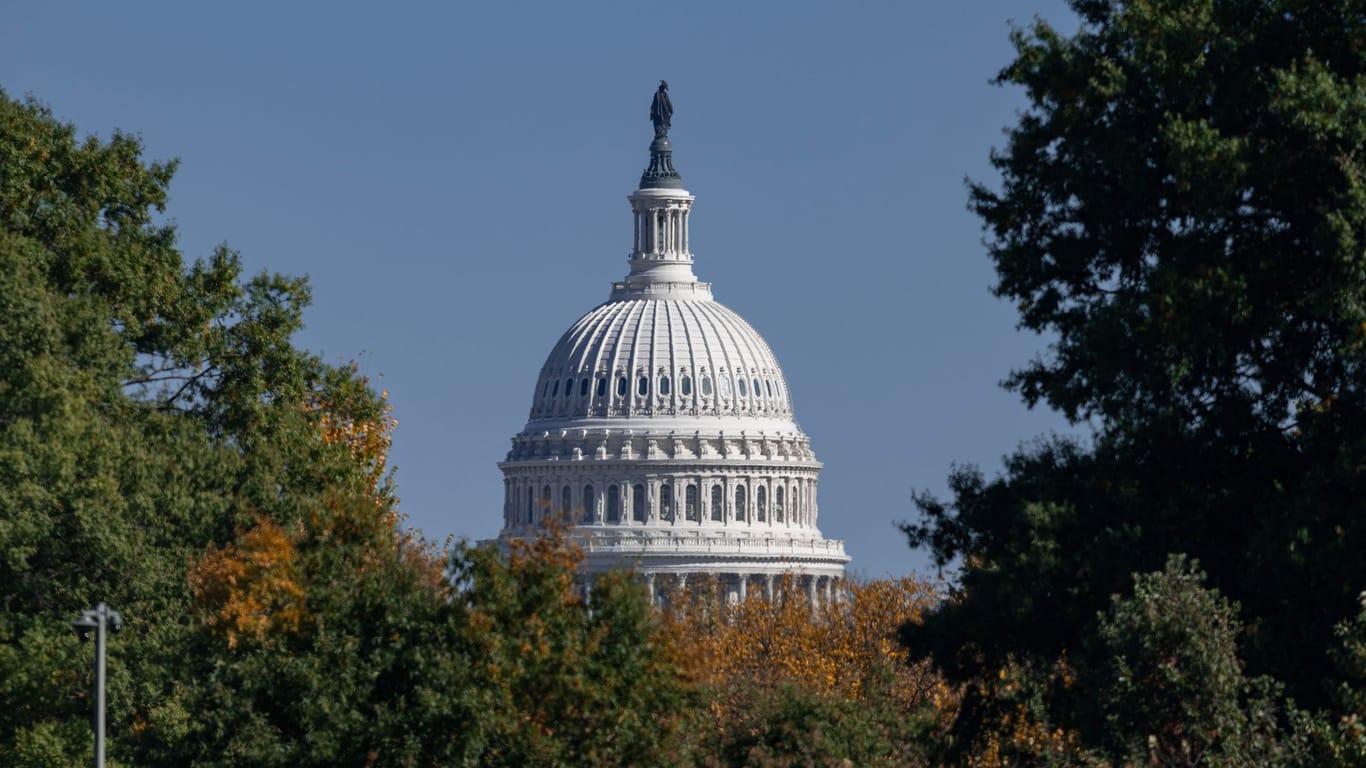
(1171, 684)
(1182, 209)
(791, 726)
(166, 449)
(147, 409)
(557, 680)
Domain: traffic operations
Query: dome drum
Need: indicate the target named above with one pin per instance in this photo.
(771, 500)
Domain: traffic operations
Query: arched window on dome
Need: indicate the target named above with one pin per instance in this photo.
(545, 390)
(740, 503)
(685, 386)
(778, 504)
(666, 502)
(638, 503)
(613, 504)
(741, 387)
(602, 387)
(725, 386)
(718, 510)
(589, 503)
(566, 504)
(583, 387)
(768, 384)
(555, 388)
(664, 385)
(621, 386)
(706, 386)
(691, 510)
(643, 386)
(757, 391)
(761, 505)
(545, 502)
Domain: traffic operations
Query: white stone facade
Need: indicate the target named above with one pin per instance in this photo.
(662, 426)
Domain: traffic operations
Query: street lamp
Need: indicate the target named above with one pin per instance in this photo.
(96, 620)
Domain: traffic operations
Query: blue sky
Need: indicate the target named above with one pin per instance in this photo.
(452, 179)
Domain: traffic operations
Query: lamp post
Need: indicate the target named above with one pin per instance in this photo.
(96, 620)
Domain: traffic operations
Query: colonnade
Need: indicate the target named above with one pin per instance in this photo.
(818, 590)
(675, 500)
(661, 230)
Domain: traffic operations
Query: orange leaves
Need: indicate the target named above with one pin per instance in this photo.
(353, 417)
(1021, 732)
(249, 589)
(257, 588)
(847, 649)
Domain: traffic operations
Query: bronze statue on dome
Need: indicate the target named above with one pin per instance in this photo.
(661, 110)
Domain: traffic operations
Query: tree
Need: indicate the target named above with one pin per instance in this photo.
(1182, 209)
(787, 683)
(560, 679)
(166, 448)
(1171, 683)
(150, 410)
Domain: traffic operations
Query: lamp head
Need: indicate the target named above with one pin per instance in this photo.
(84, 625)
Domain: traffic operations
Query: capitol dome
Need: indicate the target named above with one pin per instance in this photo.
(662, 358)
(662, 426)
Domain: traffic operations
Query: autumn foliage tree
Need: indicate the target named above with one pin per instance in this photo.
(786, 680)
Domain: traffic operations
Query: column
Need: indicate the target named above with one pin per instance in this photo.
(811, 592)
(744, 583)
(650, 585)
(768, 587)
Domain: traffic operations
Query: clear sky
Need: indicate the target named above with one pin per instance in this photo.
(452, 178)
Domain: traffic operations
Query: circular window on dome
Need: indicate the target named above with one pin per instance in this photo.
(685, 386)
(706, 386)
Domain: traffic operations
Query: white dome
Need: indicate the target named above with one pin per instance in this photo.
(669, 358)
(662, 427)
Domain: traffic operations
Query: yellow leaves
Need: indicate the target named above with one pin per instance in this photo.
(256, 587)
(249, 589)
(839, 649)
(353, 422)
(1019, 731)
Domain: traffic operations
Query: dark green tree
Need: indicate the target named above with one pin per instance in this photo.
(1182, 211)
(1170, 680)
